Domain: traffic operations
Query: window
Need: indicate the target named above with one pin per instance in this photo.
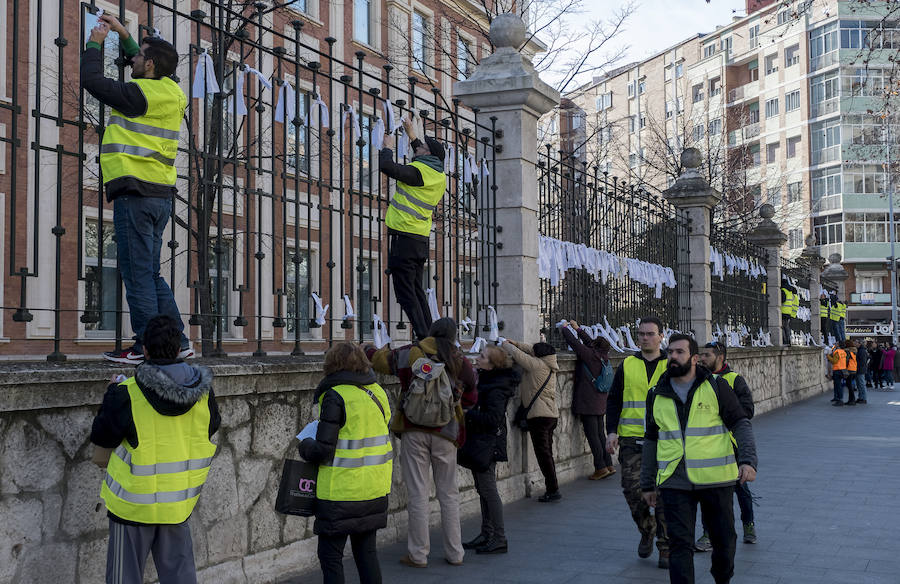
(772, 152)
(642, 85)
(725, 45)
(697, 93)
(869, 284)
(643, 121)
(364, 153)
(825, 189)
(604, 101)
(771, 107)
(715, 86)
(866, 227)
(631, 89)
(679, 104)
(863, 130)
(463, 56)
(830, 229)
(296, 151)
(669, 107)
(709, 50)
(101, 278)
(783, 16)
(632, 160)
(420, 42)
(297, 292)
(771, 64)
(698, 132)
(773, 196)
(864, 179)
(824, 91)
(631, 124)
(362, 16)
(869, 81)
(715, 127)
(365, 274)
(753, 113)
(220, 281)
(754, 154)
(792, 144)
(792, 101)
(298, 5)
(679, 70)
(793, 192)
(795, 238)
(826, 141)
(754, 36)
(823, 41)
(791, 56)
(753, 70)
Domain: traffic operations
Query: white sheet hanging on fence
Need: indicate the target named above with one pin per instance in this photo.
(392, 124)
(467, 323)
(433, 304)
(469, 168)
(556, 257)
(204, 77)
(349, 112)
(378, 135)
(321, 311)
(478, 345)
(493, 324)
(240, 106)
(380, 334)
(324, 116)
(485, 171)
(286, 109)
(402, 143)
(348, 308)
(726, 263)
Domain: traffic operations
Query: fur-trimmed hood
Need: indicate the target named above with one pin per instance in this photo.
(176, 387)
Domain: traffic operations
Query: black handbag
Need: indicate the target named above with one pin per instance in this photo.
(297, 490)
(520, 420)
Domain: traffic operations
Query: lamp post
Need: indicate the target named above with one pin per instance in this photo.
(892, 230)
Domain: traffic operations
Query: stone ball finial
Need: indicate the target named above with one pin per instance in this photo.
(767, 211)
(508, 30)
(691, 158)
(835, 258)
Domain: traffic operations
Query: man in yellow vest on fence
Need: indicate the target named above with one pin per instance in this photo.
(689, 458)
(158, 427)
(420, 187)
(137, 160)
(625, 427)
(790, 305)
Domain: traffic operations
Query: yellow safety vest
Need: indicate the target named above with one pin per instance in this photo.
(362, 463)
(705, 443)
(145, 147)
(835, 312)
(788, 302)
(842, 310)
(729, 377)
(634, 397)
(823, 309)
(795, 305)
(160, 480)
(411, 207)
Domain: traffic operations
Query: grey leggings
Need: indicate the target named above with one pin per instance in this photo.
(596, 437)
(491, 505)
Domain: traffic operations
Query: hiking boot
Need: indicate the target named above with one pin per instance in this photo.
(645, 548)
(550, 497)
(600, 474)
(476, 543)
(663, 562)
(494, 545)
(703, 544)
(749, 533)
(126, 356)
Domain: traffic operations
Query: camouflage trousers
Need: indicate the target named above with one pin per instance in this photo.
(648, 523)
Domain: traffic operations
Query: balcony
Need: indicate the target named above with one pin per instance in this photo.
(823, 61)
(746, 91)
(870, 298)
(751, 131)
(824, 108)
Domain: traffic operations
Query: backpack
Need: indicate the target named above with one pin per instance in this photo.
(430, 400)
(603, 382)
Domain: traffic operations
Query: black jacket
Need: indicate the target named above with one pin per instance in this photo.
(486, 422)
(172, 389)
(127, 98)
(586, 400)
(617, 391)
(340, 517)
(862, 360)
(742, 391)
(730, 411)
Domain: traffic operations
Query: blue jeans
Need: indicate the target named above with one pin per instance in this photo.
(139, 224)
(838, 385)
(887, 376)
(861, 386)
(841, 330)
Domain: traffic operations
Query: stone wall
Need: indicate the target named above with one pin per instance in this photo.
(54, 525)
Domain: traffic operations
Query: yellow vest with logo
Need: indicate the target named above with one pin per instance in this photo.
(411, 207)
(362, 463)
(634, 397)
(145, 147)
(159, 481)
(705, 444)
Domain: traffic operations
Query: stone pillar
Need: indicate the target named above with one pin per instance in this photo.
(505, 86)
(813, 259)
(836, 273)
(767, 235)
(693, 195)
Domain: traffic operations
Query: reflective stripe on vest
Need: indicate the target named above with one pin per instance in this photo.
(834, 312)
(362, 464)
(634, 397)
(705, 446)
(411, 207)
(145, 147)
(161, 479)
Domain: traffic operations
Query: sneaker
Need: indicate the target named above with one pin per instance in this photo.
(126, 356)
(663, 562)
(550, 497)
(600, 474)
(475, 543)
(452, 563)
(749, 533)
(408, 561)
(186, 353)
(495, 545)
(703, 544)
(645, 548)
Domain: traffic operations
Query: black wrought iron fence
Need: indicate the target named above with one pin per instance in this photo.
(271, 207)
(739, 299)
(799, 278)
(610, 253)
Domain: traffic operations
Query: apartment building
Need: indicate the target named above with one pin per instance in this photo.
(786, 106)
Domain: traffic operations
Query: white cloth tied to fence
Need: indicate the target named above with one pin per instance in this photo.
(392, 124)
(402, 143)
(380, 334)
(240, 106)
(350, 113)
(478, 345)
(320, 310)
(431, 294)
(378, 135)
(631, 345)
(450, 159)
(469, 167)
(286, 110)
(556, 257)
(493, 324)
(467, 323)
(205, 82)
(348, 308)
(726, 263)
(485, 171)
(323, 111)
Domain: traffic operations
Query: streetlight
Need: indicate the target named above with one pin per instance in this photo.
(892, 258)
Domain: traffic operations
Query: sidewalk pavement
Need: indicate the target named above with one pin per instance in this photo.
(827, 513)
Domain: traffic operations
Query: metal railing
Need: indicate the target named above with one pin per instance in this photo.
(267, 213)
(580, 205)
(799, 274)
(739, 296)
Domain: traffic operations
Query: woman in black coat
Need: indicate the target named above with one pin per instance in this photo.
(588, 403)
(485, 444)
